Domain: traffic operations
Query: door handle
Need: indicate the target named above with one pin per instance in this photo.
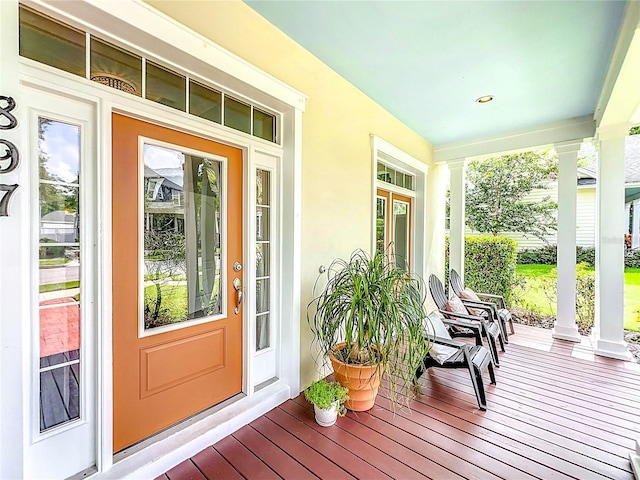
(237, 284)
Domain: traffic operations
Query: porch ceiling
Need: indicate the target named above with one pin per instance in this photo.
(426, 62)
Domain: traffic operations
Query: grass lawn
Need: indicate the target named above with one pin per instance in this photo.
(535, 296)
(52, 287)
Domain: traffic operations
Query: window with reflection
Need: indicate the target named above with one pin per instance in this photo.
(264, 125)
(51, 42)
(263, 259)
(115, 67)
(237, 115)
(401, 233)
(205, 102)
(166, 87)
(59, 272)
(381, 224)
(182, 246)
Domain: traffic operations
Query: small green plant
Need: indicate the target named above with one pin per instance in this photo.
(323, 394)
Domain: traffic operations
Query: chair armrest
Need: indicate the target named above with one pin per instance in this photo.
(498, 299)
(476, 324)
(447, 341)
(489, 307)
(453, 316)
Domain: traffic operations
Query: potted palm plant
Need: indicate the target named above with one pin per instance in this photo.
(368, 319)
(327, 399)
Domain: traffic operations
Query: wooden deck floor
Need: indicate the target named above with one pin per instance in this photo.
(556, 412)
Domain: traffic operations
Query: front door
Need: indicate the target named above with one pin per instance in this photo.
(177, 279)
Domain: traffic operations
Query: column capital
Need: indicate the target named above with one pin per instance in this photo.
(568, 146)
(457, 163)
(610, 132)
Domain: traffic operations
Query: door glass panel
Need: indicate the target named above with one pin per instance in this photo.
(401, 233)
(263, 258)
(262, 222)
(381, 224)
(59, 272)
(182, 246)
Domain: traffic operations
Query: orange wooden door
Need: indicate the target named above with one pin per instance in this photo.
(164, 375)
(394, 226)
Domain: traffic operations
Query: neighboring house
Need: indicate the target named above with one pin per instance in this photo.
(59, 226)
(586, 202)
(287, 166)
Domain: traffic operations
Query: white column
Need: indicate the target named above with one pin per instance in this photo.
(635, 225)
(634, 457)
(456, 215)
(608, 329)
(435, 200)
(565, 327)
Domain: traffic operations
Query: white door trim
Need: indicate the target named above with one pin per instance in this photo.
(385, 152)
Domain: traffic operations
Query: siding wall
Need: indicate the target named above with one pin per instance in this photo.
(585, 232)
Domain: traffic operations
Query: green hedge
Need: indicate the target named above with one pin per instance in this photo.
(489, 264)
(632, 259)
(548, 255)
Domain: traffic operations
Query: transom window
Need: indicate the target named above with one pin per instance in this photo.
(54, 43)
(393, 176)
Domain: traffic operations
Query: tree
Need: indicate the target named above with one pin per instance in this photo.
(635, 130)
(496, 191)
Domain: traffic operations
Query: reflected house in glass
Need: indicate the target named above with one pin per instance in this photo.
(164, 196)
(59, 226)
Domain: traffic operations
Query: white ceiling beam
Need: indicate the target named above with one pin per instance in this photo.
(625, 62)
(549, 134)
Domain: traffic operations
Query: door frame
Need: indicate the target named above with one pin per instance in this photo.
(384, 152)
(247, 80)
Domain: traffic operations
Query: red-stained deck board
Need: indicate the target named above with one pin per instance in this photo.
(213, 465)
(544, 435)
(306, 455)
(308, 431)
(243, 460)
(284, 464)
(380, 460)
(185, 471)
(557, 412)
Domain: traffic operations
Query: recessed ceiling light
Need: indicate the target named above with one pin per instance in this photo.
(484, 99)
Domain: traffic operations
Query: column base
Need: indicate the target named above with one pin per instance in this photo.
(563, 332)
(635, 464)
(634, 458)
(606, 348)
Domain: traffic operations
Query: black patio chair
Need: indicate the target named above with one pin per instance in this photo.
(466, 325)
(496, 302)
(475, 358)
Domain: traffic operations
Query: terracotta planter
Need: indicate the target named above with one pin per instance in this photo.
(325, 417)
(362, 381)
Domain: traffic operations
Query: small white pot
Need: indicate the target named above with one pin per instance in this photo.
(326, 417)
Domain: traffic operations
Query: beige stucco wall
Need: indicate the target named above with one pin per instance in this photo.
(339, 119)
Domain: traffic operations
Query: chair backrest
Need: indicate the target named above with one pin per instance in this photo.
(456, 282)
(437, 292)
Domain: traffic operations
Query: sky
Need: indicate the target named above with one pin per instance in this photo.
(61, 144)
